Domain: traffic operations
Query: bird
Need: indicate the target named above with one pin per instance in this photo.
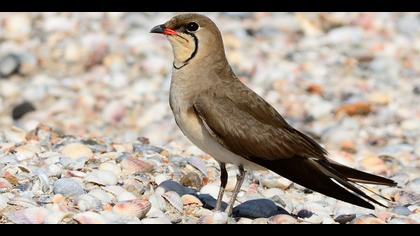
(227, 120)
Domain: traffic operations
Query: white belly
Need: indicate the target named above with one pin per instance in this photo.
(191, 126)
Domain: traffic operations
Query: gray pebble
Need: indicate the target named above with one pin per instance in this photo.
(147, 149)
(209, 202)
(170, 185)
(401, 210)
(304, 214)
(9, 65)
(343, 219)
(258, 208)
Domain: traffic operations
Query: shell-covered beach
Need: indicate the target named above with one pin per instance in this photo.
(87, 134)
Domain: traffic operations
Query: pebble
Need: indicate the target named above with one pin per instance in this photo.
(304, 214)
(68, 187)
(9, 65)
(210, 189)
(343, 219)
(22, 109)
(170, 185)
(209, 202)
(258, 208)
(401, 210)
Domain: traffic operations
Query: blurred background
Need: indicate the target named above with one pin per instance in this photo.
(351, 80)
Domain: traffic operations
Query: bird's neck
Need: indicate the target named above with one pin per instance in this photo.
(195, 78)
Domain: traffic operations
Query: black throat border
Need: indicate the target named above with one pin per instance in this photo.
(192, 54)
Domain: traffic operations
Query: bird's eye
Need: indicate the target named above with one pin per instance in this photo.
(192, 27)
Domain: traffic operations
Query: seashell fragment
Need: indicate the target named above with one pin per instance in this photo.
(55, 217)
(3, 202)
(102, 177)
(76, 151)
(132, 166)
(4, 185)
(68, 187)
(87, 202)
(27, 151)
(282, 219)
(159, 220)
(101, 195)
(188, 199)
(29, 216)
(14, 135)
(113, 218)
(109, 166)
(214, 218)
(198, 163)
(89, 218)
(137, 208)
(192, 179)
(125, 196)
(174, 200)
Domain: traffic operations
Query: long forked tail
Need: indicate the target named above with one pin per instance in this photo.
(360, 176)
(328, 178)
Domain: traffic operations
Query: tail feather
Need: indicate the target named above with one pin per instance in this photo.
(304, 172)
(331, 179)
(342, 180)
(360, 176)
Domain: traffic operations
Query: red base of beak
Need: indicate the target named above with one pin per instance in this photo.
(168, 31)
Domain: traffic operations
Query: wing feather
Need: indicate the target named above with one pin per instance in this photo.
(250, 127)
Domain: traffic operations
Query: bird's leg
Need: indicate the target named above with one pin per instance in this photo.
(239, 181)
(223, 182)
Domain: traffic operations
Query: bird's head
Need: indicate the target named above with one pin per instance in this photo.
(192, 36)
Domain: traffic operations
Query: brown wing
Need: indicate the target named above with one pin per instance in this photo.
(248, 126)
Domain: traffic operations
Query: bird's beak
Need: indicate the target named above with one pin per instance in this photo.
(162, 29)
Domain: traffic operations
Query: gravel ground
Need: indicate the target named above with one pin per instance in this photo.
(87, 135)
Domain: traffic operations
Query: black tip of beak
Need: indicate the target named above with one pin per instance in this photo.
(159, 29)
